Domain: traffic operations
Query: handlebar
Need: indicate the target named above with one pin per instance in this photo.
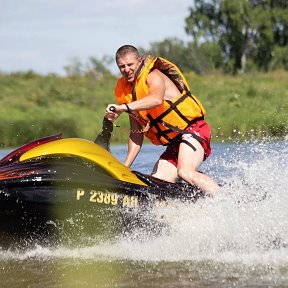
(112, 108)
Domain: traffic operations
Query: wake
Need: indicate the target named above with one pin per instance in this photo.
(246, 222)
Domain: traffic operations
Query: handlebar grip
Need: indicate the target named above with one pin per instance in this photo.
(112, 108)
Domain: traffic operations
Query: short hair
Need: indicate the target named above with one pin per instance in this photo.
(126, 49)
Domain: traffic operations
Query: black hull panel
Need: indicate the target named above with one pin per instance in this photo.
(67, 198)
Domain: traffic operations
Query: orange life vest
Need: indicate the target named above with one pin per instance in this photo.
(167, 120)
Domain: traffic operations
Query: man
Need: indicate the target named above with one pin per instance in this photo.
(156, 95)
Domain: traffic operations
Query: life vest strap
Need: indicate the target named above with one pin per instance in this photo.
(160, 133)
(181, 132)
(189, 144)
(172, 107)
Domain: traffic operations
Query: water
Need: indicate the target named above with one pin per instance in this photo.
(239, 238)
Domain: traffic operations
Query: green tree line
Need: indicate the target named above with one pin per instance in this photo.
(252, 105)
(249, 34)
(235, 36)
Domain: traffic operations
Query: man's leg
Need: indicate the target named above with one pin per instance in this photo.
(188, 163)
(165, 170)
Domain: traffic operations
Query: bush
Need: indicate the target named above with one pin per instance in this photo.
(18, 132)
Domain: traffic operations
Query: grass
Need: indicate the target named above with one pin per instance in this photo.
(238, 107)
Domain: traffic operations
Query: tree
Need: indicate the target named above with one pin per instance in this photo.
(75, 68)
(172, 49)
(98, 67)
(186, 57)
(95, 68)
(241, 28)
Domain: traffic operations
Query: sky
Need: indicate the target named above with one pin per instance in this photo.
(46, 35)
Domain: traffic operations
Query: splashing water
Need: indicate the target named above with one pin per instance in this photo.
(238, 238)
(246, 221)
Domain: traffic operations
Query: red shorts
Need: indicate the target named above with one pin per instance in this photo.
(200, 128)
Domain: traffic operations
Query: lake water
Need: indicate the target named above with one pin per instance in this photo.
(239, 238)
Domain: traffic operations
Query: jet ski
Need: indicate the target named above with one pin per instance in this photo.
(56, 179)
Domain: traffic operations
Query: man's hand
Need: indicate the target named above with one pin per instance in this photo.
(112, 113)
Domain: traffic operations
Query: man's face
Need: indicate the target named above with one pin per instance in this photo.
(128, 66)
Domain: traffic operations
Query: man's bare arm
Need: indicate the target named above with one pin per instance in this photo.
(134, 143)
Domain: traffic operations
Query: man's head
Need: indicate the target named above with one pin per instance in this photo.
(128, 61)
